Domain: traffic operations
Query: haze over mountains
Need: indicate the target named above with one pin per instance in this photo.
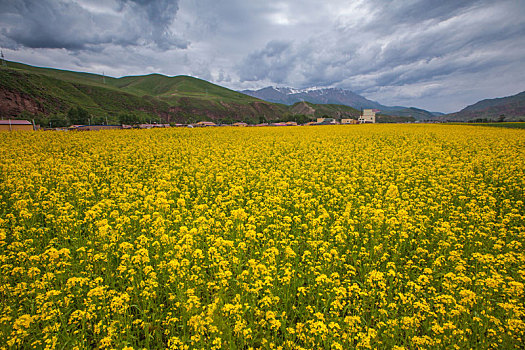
(290, 96)
(510, 108)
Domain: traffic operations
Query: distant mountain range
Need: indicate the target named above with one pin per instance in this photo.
(339, 96)
(290, 96)
(510, 108)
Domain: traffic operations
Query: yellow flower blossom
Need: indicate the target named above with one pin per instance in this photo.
(343, 237)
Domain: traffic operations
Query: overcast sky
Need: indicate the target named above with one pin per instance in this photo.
(437, 55)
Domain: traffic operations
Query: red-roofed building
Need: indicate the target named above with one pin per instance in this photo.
(205, 124)
(16, 125)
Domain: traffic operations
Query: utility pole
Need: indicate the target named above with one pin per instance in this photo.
(4, 64)
(103, 78)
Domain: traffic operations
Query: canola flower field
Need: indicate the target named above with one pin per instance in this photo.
(332, 237)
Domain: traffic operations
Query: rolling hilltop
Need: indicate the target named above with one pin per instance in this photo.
(27, 90)
(511, 108)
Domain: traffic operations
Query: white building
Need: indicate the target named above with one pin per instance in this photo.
(369, 116)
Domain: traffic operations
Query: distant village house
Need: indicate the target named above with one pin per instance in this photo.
(369, 116)
(349, 121)
(93, 127)
(203, 123)
(152, 126)
(16, 125)
(325, 121)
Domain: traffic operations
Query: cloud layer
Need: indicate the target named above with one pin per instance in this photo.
(433, 55)
(88, 25)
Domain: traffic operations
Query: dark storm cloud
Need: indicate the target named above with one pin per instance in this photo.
(398, 43)
(159, 15)
(394, 13)
(272, 62)
(437, 55)
(77, 25)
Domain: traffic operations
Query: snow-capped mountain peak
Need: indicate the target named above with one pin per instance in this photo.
(286, 90)
(330, 95)
(314, 94)
(293, 91)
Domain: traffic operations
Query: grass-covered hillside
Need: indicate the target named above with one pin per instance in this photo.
(27, 91)
(319, 110)
(509, 109)
(49, 95)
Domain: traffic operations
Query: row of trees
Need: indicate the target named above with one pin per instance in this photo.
(80, 116)
(298, 118)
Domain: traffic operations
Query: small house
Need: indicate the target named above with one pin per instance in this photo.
(203, 123)
(325, 121)
(368, 116)
(95, 127)
(16, 125)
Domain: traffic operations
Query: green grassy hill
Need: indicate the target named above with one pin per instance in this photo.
(173, 88)
(415, 113)
(43, 94)
(75, 77)
(510, 108)
(27, 91)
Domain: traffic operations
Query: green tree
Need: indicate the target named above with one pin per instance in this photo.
(78, 116)
(227, 120)
(129, 119)
(40, 119)
(58, 120)
(98, 120)
(302, 119)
